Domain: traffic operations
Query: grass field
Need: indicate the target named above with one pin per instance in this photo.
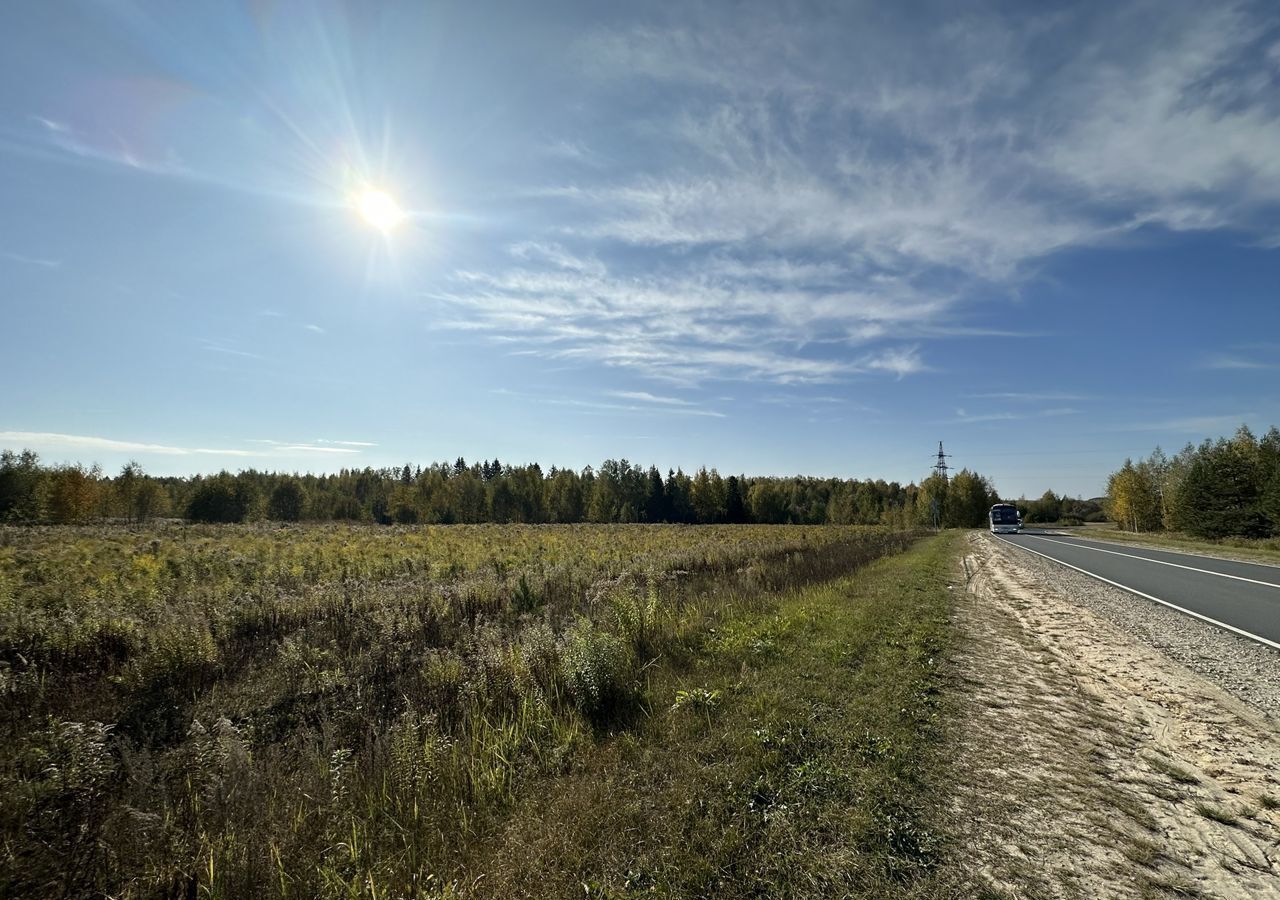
(468, 711)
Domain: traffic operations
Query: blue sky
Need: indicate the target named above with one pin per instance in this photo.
(775, 238)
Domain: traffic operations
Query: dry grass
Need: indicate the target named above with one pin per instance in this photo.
(348, 711)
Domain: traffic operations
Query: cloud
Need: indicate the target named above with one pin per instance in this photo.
(803, 201)
(556, 256)
(646, 397)
(1228, 361)
(315, 328)
(1031, 396)
(649, 407)
(33, 260)
(315, 446)
(690, 326)
(221, 347)
(900, 361)
(980, 144)
(46, 439)
(104, 145)
(962, 417)
(1194, 425)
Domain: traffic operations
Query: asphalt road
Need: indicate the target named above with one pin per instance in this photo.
(1241, 597)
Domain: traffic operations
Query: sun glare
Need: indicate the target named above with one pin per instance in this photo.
(379, 209)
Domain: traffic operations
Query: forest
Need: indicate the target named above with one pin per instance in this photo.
(490, 491)
(1224, 488)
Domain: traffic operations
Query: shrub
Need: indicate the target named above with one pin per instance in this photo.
(598, 671)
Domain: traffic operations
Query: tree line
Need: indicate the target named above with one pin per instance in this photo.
(488, 491)
(1229, 487)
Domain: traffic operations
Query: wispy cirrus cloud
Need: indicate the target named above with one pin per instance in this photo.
(646, 397)
(642, 405)
(807, 199)
(1193, 425)
(1027, 396)
(101, 145)
(1237, 362)
(963, 417)
(49, 441)
(691, 326)
(40, 261)
(227, 348)
(46, 440)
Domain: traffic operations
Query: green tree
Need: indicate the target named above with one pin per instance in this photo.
(968, 500)
(223, 498)
(931, 501)
(1047, 509)
(708, 496)
(288, 500)
(766, 502)
(735, 509)
(1131, 499)
(20, 486)
(72, 493)
(1269, 503)
(1223, 494)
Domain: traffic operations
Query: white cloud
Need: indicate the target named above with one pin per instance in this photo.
(1195, 425)
(815, 200)
(49, 439)
(1229, 361)
(687, 327)
(1030, 396)
(314, 328)
(317, 446)
(42, 262)
(962, 417)
(221, 347)
(900, 361)
(644, 406)
(646, 397)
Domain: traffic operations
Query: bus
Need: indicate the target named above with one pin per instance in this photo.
(1005, 519)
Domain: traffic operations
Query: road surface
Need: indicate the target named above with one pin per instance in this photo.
(1238, 596)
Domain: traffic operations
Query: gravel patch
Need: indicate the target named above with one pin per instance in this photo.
(1244, 668)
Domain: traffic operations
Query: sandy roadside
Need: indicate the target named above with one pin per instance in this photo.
(1092, 765)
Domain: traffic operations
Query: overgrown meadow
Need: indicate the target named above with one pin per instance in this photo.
(340, 710)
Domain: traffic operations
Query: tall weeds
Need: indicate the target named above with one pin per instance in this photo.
(335, 711)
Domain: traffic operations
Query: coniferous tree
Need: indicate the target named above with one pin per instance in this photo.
(1221, 495)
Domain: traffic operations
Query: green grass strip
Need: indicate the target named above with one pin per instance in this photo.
(799, 756)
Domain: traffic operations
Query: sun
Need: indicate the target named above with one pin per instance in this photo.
(379, 209)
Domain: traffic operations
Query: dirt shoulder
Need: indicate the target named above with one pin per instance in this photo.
(1090, 764)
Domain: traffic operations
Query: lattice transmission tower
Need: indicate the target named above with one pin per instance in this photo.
(941, 467)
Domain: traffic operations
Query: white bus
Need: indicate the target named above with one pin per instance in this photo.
(1005, 519)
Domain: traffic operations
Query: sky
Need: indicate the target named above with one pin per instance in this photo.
(774, 238)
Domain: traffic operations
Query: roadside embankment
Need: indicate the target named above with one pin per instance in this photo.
(1092, 758)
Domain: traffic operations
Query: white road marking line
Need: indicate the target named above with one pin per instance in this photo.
(1125, 587)
(1160, 562)
(1170, 550)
